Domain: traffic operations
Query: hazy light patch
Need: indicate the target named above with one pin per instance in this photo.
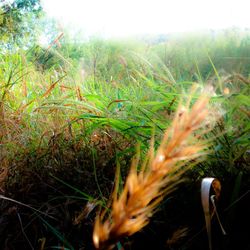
(8, 2)
(118, 18)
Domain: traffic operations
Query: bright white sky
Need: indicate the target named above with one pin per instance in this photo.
(119, 18)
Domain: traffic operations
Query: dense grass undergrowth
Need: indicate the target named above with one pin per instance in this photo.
(70, 114)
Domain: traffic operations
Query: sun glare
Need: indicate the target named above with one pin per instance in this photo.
(117, 18)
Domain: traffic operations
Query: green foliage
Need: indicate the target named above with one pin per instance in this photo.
(190, 58)
(77, 106)
(229, 51)
(18, 24)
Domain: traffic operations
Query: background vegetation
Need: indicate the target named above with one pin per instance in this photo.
(71, 109)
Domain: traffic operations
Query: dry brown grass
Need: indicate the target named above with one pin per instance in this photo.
(159, 175)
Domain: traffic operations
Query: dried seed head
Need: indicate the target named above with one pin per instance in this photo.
(144, 191)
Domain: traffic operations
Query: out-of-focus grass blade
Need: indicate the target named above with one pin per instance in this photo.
(57, 234)
(86, 196)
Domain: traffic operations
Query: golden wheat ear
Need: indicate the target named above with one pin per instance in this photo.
(159, 175)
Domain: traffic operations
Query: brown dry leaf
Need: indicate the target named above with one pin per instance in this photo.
(177, 236)
(3, 173)
(43, 241)
(90, 206)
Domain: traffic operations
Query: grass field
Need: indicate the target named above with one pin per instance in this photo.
(73, 112)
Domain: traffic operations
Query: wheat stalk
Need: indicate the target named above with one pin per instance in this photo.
(158, 176)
